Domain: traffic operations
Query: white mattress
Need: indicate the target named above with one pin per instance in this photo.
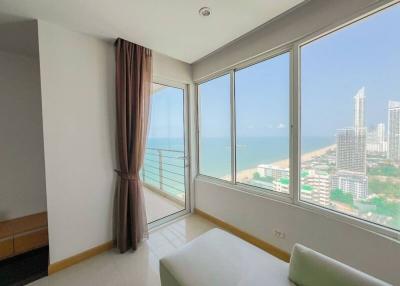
(219, 258)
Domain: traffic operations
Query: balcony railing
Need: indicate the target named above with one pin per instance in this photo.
(164, 172)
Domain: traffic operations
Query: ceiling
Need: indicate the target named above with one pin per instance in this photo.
(171, 27)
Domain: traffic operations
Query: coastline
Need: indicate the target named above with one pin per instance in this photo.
(247, 174)
(306, 157)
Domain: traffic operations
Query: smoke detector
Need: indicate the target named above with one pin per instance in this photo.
(205, 12)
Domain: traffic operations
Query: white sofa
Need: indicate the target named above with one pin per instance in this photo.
(221, 259)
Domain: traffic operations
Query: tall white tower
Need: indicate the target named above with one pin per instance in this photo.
(359, 100)
(394, 130)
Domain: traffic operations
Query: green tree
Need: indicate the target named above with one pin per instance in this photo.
(342, 197)
(385, 170)
(385, 207)
(387, 188)
(268, 179)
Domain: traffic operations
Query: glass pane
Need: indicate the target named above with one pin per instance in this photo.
(262, 124)
(215, 128)
(351, 120)
(163, 172)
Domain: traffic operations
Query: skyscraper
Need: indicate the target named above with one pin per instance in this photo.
(380, 133)
(394, 130)
(351, 152)
(359, 100)
(376, 139)
(351, 149)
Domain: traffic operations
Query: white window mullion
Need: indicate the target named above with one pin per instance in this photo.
(233, 127)
(295, 152)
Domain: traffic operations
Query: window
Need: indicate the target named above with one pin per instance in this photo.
(349, 128)
(262, 124)
(350, 120)
(215, 128)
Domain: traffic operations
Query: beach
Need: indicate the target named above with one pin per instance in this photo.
(247, 174)
(306, 157)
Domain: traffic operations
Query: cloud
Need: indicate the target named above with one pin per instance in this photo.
(280, 126)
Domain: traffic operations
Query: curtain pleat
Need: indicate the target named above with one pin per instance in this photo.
(133, 85)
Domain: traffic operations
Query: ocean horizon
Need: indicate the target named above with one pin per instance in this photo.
(215, 152)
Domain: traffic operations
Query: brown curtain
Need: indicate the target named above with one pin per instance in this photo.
(133, 84)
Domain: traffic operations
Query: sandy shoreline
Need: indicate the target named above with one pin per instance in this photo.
(248, 173)
(306, 157)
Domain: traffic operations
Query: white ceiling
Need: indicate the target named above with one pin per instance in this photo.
(171, 27)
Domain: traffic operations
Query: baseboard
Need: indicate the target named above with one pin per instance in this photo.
(273, 250)
(60, 265)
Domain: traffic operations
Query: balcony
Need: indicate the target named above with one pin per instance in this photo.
(163, 176)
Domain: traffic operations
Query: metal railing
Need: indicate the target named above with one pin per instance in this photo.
(164, 172)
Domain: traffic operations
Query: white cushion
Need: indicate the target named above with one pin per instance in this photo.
(221, 259)
(310, 268)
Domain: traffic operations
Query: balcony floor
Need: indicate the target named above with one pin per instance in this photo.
(158, 206)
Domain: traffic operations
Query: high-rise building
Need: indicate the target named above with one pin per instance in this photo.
(351, 153)
(351, 149)
(359, 101)
(349, 182)
(376, 141)
(380, 132)
(394, 131)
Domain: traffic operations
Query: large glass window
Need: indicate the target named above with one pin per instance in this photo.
(350, 120)
(215, 128)
(349, 129)
(163, 172)
(262, 124)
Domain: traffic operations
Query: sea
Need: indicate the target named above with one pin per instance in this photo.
(215, 156)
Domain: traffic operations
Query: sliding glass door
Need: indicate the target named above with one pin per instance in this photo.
(164, 172)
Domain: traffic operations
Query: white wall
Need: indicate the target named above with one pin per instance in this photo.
(78, 94)
(77, 75)
(367, 251)
(168, 69)
(259, 216)
(22, 177)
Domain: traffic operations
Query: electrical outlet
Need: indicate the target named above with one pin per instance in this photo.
(279, 234)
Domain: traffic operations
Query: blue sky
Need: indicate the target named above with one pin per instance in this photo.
(333, 68)
(166, 117)
(262, 98)
(215, 108)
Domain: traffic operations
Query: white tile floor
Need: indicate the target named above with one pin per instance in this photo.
(158, 206)
(138, 268)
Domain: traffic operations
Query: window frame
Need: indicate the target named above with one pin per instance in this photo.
(186, 130)
(263, 192)
(293, 198)
(198, 127)
(269, 56)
